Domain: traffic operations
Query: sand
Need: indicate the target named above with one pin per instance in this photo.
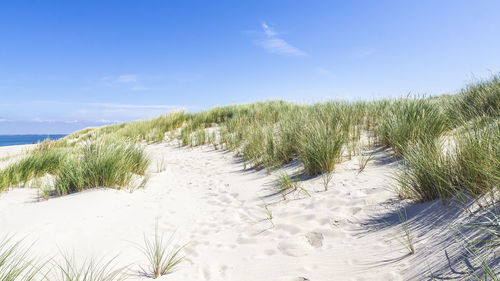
(211, 204)
(11, 153)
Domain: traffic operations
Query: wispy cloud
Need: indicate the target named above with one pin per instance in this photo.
(131, 81)
(362, 53)
(42, 120)
(132, 106)
(105, 121)
(276, 45)
(268, 31)
(127, 78)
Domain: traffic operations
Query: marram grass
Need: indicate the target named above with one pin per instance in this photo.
(274, 133)
(101, 163)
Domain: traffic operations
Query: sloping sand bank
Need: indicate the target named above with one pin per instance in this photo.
(208, 200)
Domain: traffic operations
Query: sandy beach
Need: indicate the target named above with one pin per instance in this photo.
(250, 141)
(211, 204)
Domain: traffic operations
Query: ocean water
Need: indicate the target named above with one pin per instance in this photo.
(25, 139)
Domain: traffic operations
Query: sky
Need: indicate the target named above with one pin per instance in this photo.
(67, 65)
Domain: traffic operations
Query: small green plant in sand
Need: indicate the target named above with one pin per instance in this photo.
(407, 237)
(160, 165)
(327, 178)
(286, 184)
(269, 214)
(162, 257)
(363, 160)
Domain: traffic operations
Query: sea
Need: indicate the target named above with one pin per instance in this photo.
(26, 139)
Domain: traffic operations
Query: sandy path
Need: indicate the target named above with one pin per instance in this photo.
(216, 207)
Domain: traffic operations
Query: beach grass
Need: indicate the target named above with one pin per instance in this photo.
(101, 163)
(162, 257)
(42, 160)
(92, 270)
(15, 261)
(446, 143)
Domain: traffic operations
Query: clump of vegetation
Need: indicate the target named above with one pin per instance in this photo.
(409, 121)
(96, 162)
(321, 147)
(101, 163)
(44, 159)
(468, 162)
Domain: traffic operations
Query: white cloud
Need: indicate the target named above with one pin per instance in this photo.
(105, 121)
(132, 82)
(276, 45)
(3, 120)
(132, 106)
(128, 78)
(41, 120)
(268, 31)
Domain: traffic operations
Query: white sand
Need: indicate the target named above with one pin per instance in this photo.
(10, 153)
(211, 203)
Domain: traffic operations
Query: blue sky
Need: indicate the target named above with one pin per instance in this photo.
(65, 65)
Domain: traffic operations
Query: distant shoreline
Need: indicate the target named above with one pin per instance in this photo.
(10, 140)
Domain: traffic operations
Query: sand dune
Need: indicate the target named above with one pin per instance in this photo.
(211, 204)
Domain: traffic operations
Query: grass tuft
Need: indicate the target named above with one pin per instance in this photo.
(162, 258)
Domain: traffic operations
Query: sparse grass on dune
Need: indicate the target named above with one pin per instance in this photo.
(271, 134)
(92, 270)
(15, 262)
(18, 264)
(285, 184)
(162, 257)
(153, 130)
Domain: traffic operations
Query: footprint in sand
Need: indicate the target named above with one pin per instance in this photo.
(292, 248)
(315, 239)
